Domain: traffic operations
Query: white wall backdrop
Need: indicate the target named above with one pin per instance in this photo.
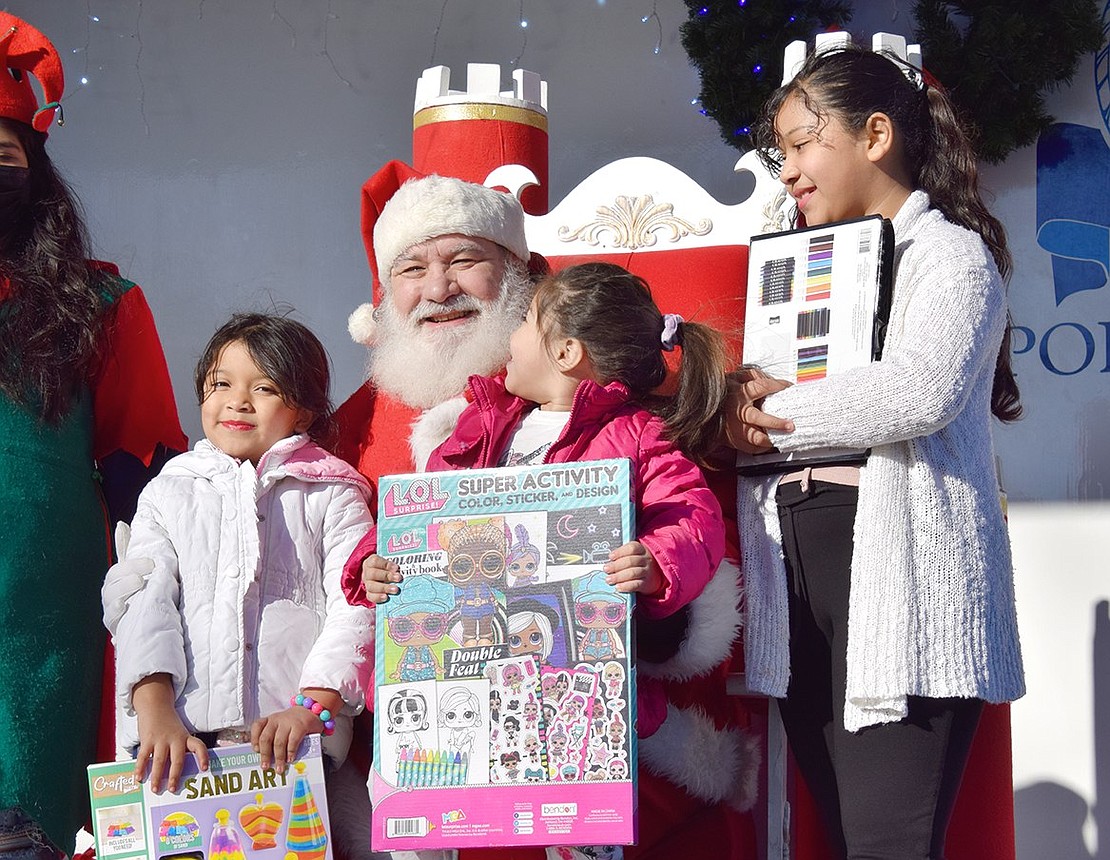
(219, 147)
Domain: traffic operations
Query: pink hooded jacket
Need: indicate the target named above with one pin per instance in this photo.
(678, 518)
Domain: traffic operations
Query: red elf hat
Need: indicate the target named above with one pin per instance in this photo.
(23, 50)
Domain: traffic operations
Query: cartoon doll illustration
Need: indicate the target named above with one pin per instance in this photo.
(531, 714)
(599, 611)
(459, 712)
(597, 718)
(557, 745)
(417, 620)
(573, 707)
(618, 769)
(562, 684)
(494, 706)
(613, 676)
(511, 762)
(616, 733)
(532, 748)
(407, 716)
(512, 728)
(475, 567)
(530, 633)
(523, 561)
(512, 677)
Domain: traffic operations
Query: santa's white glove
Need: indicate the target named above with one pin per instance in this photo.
(126, 578)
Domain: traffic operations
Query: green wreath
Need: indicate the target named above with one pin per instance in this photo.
(996, 58)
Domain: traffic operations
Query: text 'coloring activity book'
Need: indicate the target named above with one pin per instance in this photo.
(818, 303)
(505, 680)
(236, 810)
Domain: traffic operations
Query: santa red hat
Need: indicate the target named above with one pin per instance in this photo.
(401, 208)
(23, 50)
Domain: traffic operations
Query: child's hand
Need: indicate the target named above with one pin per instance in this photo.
(632, 568)
(277, 738)
(378, 578)
(162, 736)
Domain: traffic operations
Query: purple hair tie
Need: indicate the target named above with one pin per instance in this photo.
(672, 333)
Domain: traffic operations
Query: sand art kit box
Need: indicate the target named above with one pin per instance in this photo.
(505, 674)
(234, 811)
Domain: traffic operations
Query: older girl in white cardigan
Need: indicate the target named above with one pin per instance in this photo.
(880, 597)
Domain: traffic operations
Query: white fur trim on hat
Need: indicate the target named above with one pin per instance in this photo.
(422, 209)
(361, 324)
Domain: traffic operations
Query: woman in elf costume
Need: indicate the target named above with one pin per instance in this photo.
(86, 413)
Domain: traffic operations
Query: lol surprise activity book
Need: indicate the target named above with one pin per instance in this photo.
(236, 810)
(505, 678)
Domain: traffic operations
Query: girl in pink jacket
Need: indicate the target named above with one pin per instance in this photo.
(581, 384)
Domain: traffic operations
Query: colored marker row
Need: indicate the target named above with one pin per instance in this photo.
(431, 767)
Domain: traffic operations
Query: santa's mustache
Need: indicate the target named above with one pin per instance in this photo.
(460, 303)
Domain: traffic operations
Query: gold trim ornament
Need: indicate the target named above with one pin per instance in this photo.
(634, 222)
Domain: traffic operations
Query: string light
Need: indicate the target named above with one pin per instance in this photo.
(658, 25)
(435, 35)
(523, 26)
(138, 36)
(275, 13)
(328, 18)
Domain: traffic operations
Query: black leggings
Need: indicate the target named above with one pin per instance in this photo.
(886, 791)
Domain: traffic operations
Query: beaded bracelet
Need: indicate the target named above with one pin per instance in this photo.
(319, 710)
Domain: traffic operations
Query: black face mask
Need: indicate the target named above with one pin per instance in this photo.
(15, 193)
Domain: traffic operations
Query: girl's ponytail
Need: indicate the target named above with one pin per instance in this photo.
(949, 173)
(611, 311)
(693, 413)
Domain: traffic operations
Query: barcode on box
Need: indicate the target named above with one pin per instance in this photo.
(865, 241)
(396, 828)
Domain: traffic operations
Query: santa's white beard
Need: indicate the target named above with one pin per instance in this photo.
(424, 365)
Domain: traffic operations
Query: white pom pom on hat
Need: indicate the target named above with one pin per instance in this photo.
(361, 324)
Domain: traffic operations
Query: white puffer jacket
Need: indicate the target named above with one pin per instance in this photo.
(244, 606)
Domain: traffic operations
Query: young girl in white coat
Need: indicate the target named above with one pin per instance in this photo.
(880, 602)
(242, 631)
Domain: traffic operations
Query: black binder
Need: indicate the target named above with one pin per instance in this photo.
(818, 303)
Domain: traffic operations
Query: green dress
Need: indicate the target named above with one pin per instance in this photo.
(52, 560)
(54, 551)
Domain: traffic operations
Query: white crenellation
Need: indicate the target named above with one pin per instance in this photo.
(483, 86)
(795, 54)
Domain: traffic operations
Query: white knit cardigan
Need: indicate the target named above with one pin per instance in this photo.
(931, 606)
